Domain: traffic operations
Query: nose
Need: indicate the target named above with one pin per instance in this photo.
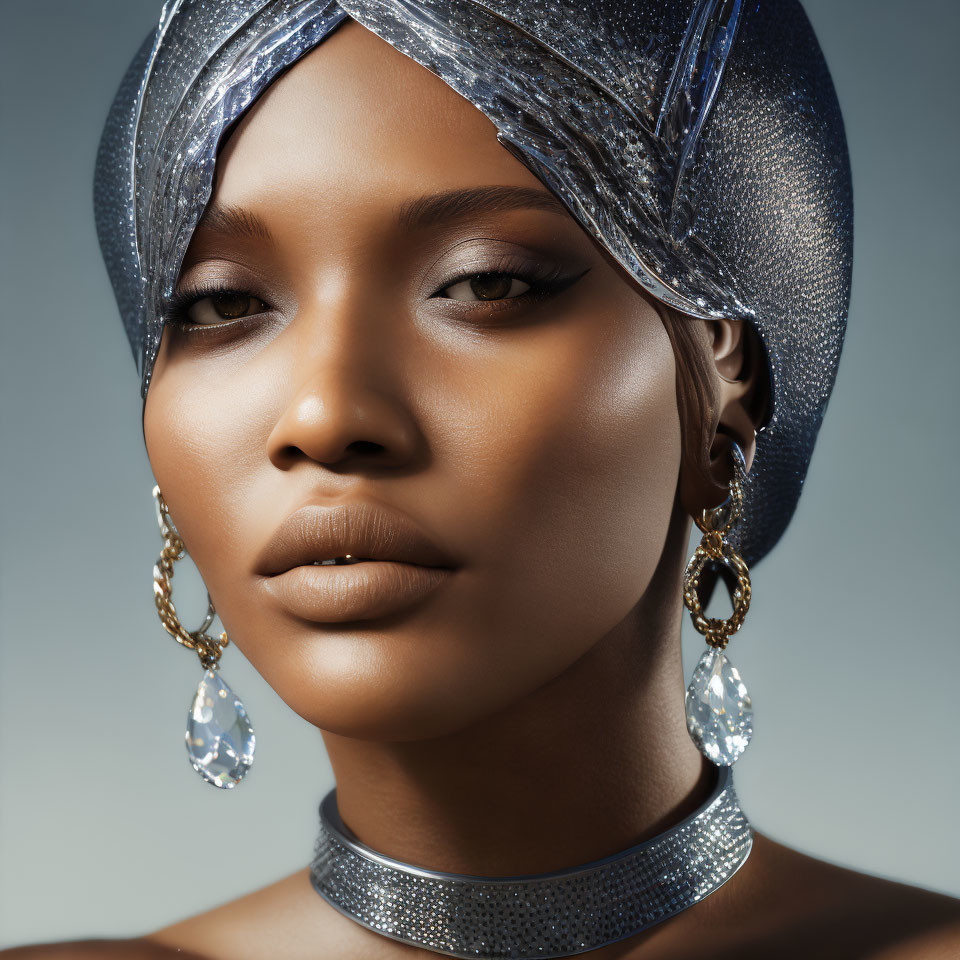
(344, 403)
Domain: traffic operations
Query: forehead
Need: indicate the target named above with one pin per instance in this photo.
(355, 116)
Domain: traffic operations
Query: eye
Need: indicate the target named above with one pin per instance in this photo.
(228, 305)
(487, 286)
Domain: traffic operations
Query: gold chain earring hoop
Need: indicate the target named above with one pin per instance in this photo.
(219, 736)
(718, 707)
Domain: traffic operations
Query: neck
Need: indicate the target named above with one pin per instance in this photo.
(591, 763)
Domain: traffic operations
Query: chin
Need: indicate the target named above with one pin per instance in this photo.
(437, 668)
(387, 680)
(366, 688)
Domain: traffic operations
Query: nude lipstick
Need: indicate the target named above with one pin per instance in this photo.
(350, 561)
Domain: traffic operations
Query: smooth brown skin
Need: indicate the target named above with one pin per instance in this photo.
(529, 715)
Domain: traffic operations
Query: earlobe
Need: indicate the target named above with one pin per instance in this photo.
(722, 391)
(735, 364)
(742, 386)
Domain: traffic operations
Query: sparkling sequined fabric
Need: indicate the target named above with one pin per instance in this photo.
(548, 915)
(699, 141)
(206, 63)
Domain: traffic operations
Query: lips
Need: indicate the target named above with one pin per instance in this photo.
(392, 563)
(361, 529)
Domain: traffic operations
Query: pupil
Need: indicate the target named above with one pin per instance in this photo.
(491, 286)
(231, 305)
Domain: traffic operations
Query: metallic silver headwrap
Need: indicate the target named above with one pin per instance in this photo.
(547, 915)
(699, 141)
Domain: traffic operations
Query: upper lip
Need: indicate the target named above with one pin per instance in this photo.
(361, 529)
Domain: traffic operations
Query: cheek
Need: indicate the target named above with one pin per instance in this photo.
(569, 449)
(205, 441)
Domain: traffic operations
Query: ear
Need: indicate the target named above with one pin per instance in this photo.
(742, 395)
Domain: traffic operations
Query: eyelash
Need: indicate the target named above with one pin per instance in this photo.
(543, 285)
(179, 303)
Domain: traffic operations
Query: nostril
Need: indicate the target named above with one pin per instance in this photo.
(335, 429)
(365, 446)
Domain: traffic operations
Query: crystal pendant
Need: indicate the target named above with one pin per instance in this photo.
(220, 740)
(719, 712)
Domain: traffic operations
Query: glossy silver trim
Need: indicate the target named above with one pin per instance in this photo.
(556, 914)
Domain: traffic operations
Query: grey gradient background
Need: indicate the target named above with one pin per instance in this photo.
(851, 648)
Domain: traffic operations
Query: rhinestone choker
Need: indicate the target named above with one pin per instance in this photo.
(545, 915)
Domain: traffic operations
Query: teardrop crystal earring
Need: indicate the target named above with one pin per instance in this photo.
(220, 739)
(718, 707)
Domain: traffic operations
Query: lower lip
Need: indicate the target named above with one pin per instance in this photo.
(335, 593)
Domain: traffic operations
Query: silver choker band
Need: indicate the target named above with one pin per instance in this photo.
(556, 914)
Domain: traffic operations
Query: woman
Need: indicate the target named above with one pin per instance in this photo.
(498, 384)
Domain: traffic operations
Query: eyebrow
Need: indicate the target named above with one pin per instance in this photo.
(234, 222)
(417, 213)
(458, 204)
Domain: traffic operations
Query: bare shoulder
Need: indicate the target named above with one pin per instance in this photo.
(812, 907)
(286, 919)
(250, 926)
(137, 949)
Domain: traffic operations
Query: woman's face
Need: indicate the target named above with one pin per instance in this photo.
(334, 347)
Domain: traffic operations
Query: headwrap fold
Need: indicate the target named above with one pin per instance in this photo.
(700, 143)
